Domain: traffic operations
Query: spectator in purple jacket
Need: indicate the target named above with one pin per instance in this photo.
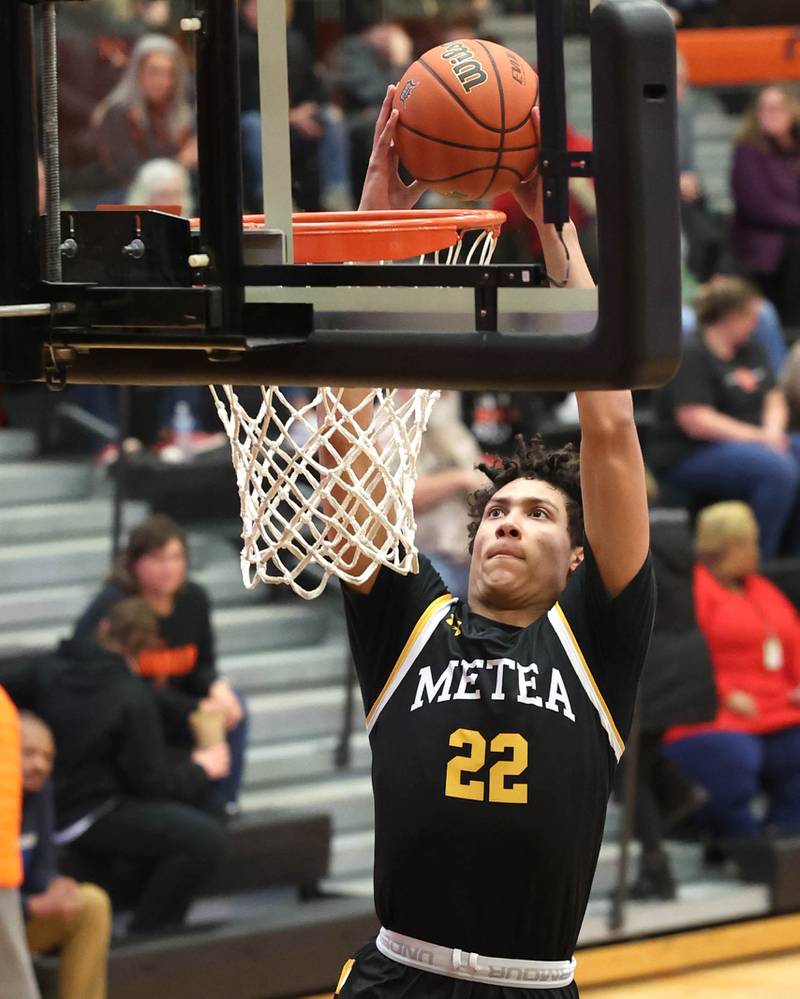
(766, 192)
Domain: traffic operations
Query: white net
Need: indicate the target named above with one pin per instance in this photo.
(311, 509)
(326, 489)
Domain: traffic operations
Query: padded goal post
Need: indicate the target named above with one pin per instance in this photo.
(265, 322)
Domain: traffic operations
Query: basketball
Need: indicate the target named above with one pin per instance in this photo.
(464, 127)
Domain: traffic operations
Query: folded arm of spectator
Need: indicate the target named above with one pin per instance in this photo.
(741, 703)
(142, 758)
(708, 424)
(756, 200)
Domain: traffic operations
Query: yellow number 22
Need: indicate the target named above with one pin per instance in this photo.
(509, 766)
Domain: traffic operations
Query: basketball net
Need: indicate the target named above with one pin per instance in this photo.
(307, 512)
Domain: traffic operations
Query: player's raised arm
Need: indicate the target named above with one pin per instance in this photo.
(383, 189)
(612, 468)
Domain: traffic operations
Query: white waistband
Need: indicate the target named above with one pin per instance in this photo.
(474, 967)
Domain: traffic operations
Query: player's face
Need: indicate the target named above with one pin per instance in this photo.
(522, 554)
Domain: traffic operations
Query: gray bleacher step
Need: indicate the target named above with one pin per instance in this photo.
(686, 861)
(222, 580)
(42, 606)
(348, 800)
(242, 627)
(43, 521)
(613, 826)
(33, 638)
(352, 854)
(356, 886)
(283, 715)
(34, 481)
(17, 444)
(302, 760)
(245, 629)
(700, 903)
(273, 670)
(69, 560)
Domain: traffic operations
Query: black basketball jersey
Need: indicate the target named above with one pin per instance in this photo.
(493, 752)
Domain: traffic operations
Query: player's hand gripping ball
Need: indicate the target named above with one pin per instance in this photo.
(465, 124)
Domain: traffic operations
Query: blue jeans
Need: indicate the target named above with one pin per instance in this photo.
(733, 767)
(764, 478)
(228, 787)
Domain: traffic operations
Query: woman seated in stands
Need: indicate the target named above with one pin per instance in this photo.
(721, 424)
(765, 183)
(146, 116)
(194, 701)
(753, 636)
(118, 800)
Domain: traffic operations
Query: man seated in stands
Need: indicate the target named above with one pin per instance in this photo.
(118, 800)
(59, 912)
(721, 425)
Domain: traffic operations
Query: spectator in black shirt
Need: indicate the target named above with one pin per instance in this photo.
(305, 112)
(117, 797)
(182, 669)
(722, 421)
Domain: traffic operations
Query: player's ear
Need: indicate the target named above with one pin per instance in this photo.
(575, 558)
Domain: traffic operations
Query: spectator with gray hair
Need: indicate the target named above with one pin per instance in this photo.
(148, 115)
(161, 183)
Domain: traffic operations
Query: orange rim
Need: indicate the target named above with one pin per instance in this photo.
(333, 237)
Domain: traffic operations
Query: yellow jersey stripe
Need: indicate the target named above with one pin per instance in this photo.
(578, 660)
(428, 620)
(346, 969)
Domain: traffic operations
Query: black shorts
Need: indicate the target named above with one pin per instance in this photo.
(373, 976)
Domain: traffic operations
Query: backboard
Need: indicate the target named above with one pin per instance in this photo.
(199, 309)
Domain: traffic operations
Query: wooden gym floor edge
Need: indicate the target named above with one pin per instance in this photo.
(679, 952)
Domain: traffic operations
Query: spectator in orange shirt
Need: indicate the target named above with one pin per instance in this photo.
(15, 961)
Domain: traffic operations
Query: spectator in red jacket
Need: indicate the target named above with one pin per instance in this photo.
(753, 636)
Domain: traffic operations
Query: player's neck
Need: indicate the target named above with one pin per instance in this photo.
(519, 617)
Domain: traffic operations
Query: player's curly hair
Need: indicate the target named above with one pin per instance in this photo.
(532, 460)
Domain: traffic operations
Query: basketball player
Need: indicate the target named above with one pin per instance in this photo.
(496, 724)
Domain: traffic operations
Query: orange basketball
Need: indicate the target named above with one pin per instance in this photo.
(465, 127)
